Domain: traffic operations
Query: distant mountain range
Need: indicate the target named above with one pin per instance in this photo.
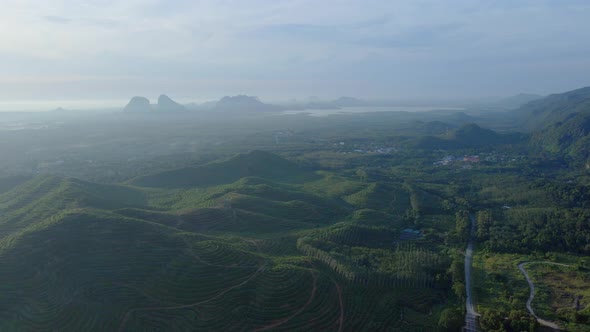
(515, 101)
(139, 104)
(239, 103)
(244, 103)
(496, 104)
(558, 124)
(554, 108)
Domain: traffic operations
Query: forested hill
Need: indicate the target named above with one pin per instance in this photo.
(570, 138)
(561, 123)
(467, 136)
(560, 107)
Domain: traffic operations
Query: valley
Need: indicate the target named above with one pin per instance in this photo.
(353, 222)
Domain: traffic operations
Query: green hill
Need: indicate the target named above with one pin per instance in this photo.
(570, 137)
(560, 123)
(250, 243)
(89, 270)
(387, 198)
(554, 108)
(511, 102)
(256, 163)
(467, 136)
(45, 198)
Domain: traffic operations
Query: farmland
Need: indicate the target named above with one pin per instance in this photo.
(254, 252)
(333, 227)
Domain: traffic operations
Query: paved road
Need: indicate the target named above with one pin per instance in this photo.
(471, 314)
(532, 293)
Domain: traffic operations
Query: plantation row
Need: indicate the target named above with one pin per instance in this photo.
(408, 269)
(92, 257)
(281, 298)
(157, 280)
(353, 235)
(31, 202)
(380, 197)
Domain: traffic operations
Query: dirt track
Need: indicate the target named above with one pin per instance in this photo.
(532, 293)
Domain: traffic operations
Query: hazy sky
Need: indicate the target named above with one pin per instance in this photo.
(66, 49)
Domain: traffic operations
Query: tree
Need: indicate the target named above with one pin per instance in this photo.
(459, 289)
(451, 319)
(362, 174)
(520, 320)
(569, 314)
(484, 222)
(462, 224)
(457, 270)
(492, 320)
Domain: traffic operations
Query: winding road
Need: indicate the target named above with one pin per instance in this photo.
(532, 294)
(471, 314)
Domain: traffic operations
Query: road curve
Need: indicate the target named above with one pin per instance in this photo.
(532, 293)
(471, 314)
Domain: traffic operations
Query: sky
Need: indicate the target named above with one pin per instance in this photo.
(282, 49)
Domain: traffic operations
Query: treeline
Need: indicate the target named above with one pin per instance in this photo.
(523, 230)
(501, 321)
(459, 236)
(566, 195)
(404, 266)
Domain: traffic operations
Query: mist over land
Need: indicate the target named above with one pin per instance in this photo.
(295, 165)
(376, 50)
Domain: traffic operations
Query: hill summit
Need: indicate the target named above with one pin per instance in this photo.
(166, 104)
(467, 136)
(138, 104)
(471, 132)
(544, 112)
(560, 123)
(243, 103)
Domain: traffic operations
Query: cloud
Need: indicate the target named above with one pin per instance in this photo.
(57, 19)
(407, 47)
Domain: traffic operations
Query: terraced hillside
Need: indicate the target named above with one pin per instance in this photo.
(231, 246)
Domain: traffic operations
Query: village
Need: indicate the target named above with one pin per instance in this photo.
(469, 160)
(453, 159)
